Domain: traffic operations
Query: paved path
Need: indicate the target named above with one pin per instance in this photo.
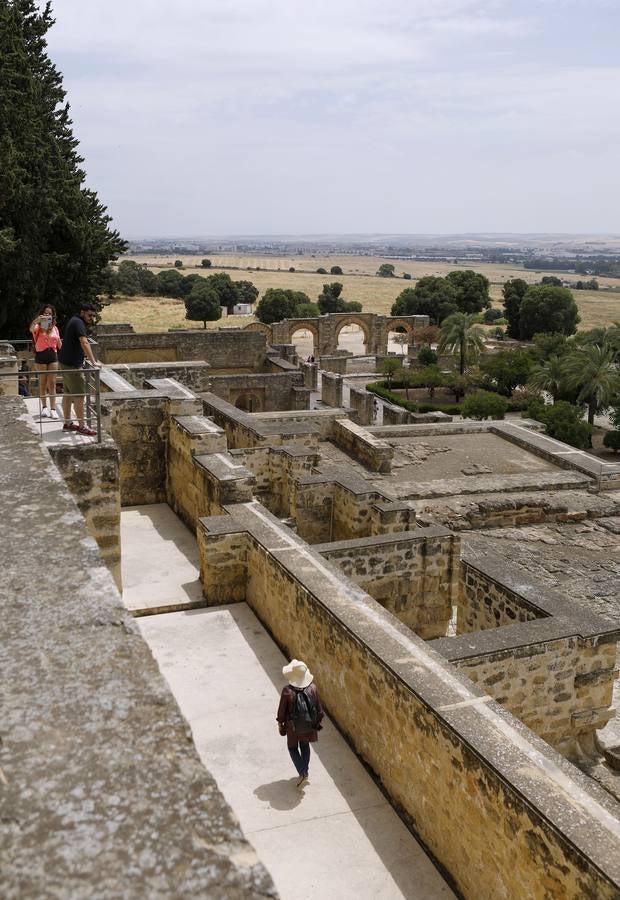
(338, 837)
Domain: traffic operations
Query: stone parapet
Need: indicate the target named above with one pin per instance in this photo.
(102, 793)
(362, 445)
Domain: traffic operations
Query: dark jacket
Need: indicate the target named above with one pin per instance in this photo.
(286, 710)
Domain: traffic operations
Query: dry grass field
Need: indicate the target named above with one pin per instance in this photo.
(359, 280)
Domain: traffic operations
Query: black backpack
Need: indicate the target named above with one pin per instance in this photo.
(304, 712)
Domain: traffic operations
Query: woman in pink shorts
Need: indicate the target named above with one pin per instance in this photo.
(47, 343)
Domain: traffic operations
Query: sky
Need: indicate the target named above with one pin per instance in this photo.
(224, 117)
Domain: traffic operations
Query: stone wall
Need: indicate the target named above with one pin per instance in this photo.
(528, 823)
(275, 469)
(138, 423)
(413, 574)
(91, 472)
(193, 375)
(8, 376)
(561, 689)
(331, 389)
(186, 491)
(485, 602)
(371, 451)
(362, 406)
(102, 792)
(235, 349)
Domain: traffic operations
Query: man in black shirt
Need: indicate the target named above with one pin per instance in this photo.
(75, 347)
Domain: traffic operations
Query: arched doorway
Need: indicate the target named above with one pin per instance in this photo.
(305, 338)
(398, 340)
(352, 335)
(249, 402)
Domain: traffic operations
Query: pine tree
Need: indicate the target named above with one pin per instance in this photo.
(55, 239)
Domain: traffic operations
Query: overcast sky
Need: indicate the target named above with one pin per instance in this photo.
(204, 117)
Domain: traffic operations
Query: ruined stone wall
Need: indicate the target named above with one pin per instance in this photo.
(361, 403)
(562, 689)
(413, 575)
(441, 752)
(91, 472)
(331, 389)
(193, 375)
(187, 492)
(484, 602)
(311, 505)
(273, 391)
(369, 450)
(275, 469)
(220, 349)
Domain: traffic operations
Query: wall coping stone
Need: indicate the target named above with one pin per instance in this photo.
(400, 537)
(197, 425)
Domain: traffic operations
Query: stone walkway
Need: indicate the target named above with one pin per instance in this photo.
(338, 837)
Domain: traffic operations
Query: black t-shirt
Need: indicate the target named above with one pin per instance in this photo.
(71, 352)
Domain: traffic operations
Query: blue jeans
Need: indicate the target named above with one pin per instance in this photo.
(300, 754)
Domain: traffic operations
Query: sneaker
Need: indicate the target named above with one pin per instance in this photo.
(53, 414)
(44, 413)
(70, 426)
(302, 780)
(82, 429)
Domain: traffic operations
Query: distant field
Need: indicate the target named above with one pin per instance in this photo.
(359, 280)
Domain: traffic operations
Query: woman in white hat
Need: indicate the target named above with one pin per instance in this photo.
(299, 715)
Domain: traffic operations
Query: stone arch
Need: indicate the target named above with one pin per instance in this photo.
(259, 326)
(249, 402)
(398, 324)
(354, 319)
(297, 325)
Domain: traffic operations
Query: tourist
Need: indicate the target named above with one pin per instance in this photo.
(299, 715)
(75, 349)
(46, 341)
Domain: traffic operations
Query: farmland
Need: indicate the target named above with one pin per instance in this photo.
(359, 280)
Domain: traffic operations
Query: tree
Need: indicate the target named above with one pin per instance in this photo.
(202, 304)
(178, 264)
(549, 376)
(471, 288)
(507, 370)
(563, 421)
(225, 288)
(55, 239)
(170, 283)
(148, 281)
(431, 378)
(190, 281)
(491, 315)
(460, 334)
(547, 308)
(427, 356)
(611, 440)
(246, 291)
(128, 278)
(406, 276)
(514, 291)
(458, 384)
(402, 341)
(432, 296)
(205, 263)
(389, 367)
(483, 405)
(330, 300)
(335, 270)
(386, 270)
(551, 344)
(291, 268)
(594, 372)
(277, 304)
(322, 271)
(551, 279)
(307, 311)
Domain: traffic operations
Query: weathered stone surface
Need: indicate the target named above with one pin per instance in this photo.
(101, 789)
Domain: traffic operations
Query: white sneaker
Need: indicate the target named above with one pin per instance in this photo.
(45, 413)
(53, 414)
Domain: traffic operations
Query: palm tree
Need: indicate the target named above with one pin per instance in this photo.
(549, 376)
(593, 371)
(461, 334)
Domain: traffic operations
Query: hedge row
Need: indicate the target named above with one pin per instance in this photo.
(513, 404)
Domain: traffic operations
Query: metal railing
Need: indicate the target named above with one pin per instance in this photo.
(91, 394)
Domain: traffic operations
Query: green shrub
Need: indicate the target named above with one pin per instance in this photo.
(427, 356)
(484, 405)
(612, 440)
(563, 421)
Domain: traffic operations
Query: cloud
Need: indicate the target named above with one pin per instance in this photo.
(256, 93)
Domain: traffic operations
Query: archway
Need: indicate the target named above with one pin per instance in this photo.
(352, 334)
(249, 402)
(305, 337)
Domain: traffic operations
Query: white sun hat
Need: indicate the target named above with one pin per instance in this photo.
(297, 674)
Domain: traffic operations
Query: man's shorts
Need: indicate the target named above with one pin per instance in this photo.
(73, 380)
